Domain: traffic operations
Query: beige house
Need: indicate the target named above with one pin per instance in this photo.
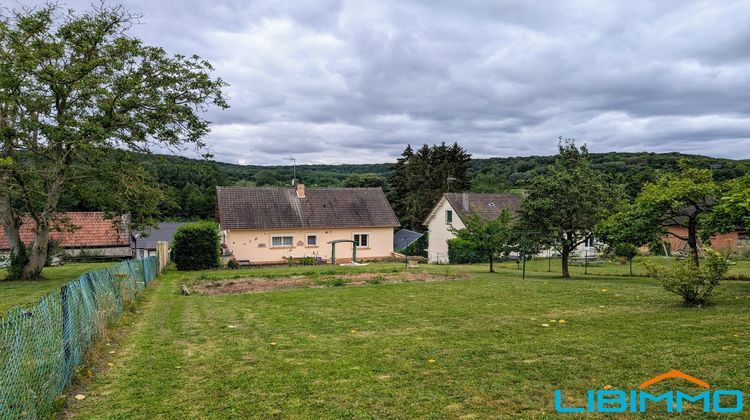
(270, 225)
(450, 212)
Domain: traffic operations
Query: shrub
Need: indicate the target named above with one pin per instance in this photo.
(301, 261)
(417, 248)
(197, 246)
(233, 264)
(461, 251)
(695, 284)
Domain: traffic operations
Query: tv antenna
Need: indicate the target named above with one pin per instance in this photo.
(294, 169)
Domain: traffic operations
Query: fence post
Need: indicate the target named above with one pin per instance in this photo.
(162, 252)
(66, 331)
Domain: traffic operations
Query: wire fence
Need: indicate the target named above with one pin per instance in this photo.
(598, 265)
(41, 346)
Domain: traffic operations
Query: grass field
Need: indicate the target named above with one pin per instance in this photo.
(740, 269)
(15, 293)
(469, 347)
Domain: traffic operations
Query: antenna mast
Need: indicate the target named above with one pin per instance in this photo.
(294, 169)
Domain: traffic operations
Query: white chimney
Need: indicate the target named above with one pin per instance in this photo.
(300, 190)
(465, 199)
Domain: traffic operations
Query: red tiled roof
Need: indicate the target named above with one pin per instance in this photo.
(79, 229)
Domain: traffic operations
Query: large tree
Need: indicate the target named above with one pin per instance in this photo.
(74, 87)
(565, 204)
(684, 200)
(420, 177)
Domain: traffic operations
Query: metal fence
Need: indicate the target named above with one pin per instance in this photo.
(41, 346)
(596, 265)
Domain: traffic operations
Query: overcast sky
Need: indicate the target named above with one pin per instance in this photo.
(354, 82)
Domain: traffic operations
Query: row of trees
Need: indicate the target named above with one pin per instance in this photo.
(571, 202)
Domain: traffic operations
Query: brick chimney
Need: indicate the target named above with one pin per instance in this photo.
(300, 190)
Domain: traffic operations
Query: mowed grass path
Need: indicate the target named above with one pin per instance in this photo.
(473, 347)
(28, 292)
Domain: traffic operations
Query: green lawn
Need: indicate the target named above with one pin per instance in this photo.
(473, 347)
(15, 293)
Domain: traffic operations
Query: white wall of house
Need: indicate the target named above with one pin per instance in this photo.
(439, 231)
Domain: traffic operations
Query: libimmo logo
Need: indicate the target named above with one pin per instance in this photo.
(639, 401)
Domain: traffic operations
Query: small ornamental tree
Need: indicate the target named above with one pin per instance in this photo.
(627, 251)
(197, 246)
(487, 237)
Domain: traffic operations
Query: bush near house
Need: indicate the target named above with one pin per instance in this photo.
(197, 246)
(461, 251)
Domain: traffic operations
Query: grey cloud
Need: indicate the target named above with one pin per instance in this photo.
(351, 81)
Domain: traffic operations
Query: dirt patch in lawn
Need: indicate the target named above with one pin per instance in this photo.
(257, 284)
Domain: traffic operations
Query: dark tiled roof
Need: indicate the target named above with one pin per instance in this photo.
(280, 208)
(403, 238)
(149, 237)
(485, 205)
(79, 229)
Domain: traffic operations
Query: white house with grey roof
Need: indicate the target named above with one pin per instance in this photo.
(453, 209)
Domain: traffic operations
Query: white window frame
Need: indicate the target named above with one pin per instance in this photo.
(448, 220)
(291, 244)
(307, 240)
(360, 234)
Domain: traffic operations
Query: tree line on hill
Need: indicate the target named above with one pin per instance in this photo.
(188, 186)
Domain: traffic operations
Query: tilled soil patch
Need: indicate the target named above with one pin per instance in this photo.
(259, 284)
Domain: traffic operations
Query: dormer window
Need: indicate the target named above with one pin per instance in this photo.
(491, 204)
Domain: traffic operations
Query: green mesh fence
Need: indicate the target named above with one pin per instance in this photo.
(41, 346)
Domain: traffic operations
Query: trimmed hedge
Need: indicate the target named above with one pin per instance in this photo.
(197, 246)
(461, 252)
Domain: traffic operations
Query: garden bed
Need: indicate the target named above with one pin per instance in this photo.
(259, 284)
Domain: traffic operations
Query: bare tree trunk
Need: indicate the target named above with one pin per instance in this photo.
(693, 240)
(11, 225)
(565, 257)
(37, 253)
(492, 268)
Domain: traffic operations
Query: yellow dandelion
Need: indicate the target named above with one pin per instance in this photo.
(607, 387)
(354, 331)
(431, 360)
(273, 343)
(562, 321)
(545, 325)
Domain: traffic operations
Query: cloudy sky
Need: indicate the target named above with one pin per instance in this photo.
(354, 82)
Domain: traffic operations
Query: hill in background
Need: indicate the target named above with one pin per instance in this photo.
(190, 184)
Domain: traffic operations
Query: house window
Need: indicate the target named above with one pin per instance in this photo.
(312, 240)
(285, 241)
(362, 240)
(590, 242)
(449, 216)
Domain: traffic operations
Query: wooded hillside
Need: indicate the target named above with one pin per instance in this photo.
(190, 183)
